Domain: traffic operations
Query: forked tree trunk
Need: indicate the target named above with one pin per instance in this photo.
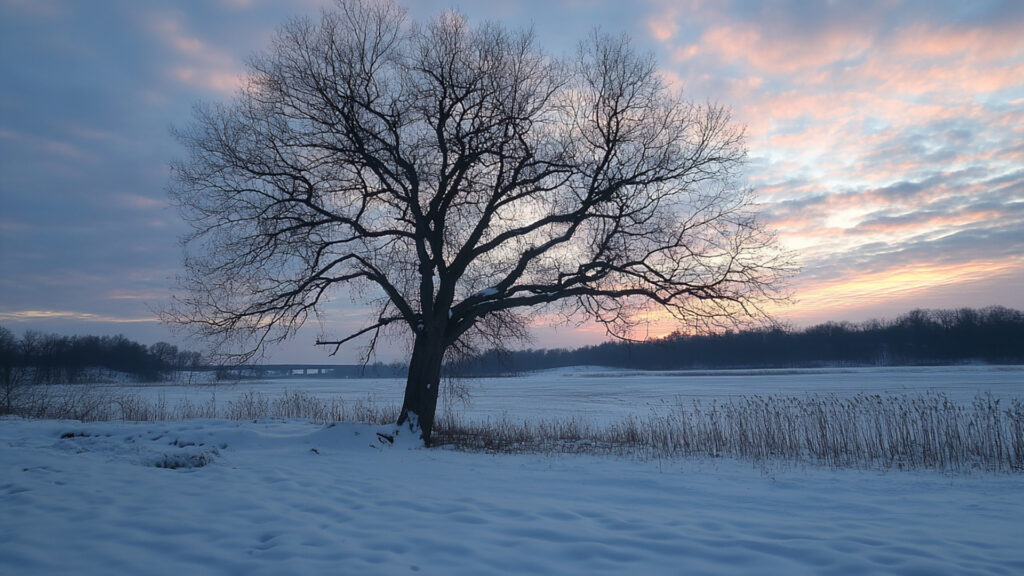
(422, 385)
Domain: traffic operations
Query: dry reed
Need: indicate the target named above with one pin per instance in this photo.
(925, 431)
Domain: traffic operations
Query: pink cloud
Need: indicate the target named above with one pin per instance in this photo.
(762, 53)
(140, 202)
(140, 295)
(975, 44)
(848, 51)
(33, 315)
(932, 223)
(809, 94)
(663, 26)
(198, 63)
(227, 82)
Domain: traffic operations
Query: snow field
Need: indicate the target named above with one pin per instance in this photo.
(945, 418)
(602, 395)
(289, 497)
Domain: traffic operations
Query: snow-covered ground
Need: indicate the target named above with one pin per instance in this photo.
(290, 497)
(296, 498)
(602, 394)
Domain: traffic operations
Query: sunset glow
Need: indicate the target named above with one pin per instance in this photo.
(884, 143)
(859, 290)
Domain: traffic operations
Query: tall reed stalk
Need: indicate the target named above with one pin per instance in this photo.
(865, 431)
(923, 431)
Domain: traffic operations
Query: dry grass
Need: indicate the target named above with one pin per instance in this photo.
(926, 431)
(105, 404)
(867, 431)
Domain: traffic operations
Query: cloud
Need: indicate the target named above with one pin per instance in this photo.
(885, 140)
(65, 149)
(139, 202)
(903, 282)
(791, 71)
(663, 25)
(199, 63)
(35, 315)
(38, 8)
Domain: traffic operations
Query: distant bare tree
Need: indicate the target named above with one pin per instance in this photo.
(12, 374)
(454, 178)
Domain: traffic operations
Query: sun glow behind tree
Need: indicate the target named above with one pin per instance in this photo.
(458, 179)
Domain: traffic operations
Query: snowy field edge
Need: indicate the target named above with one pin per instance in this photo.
(291, 497)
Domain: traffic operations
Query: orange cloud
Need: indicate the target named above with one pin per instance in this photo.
(862, 290)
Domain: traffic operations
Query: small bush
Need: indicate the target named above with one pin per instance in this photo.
(183, 460)
(65, 402)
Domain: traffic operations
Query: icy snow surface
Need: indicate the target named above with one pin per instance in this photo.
(603, 394)
(287, 497)
(295, 498)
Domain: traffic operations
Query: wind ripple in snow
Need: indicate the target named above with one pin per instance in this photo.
(290, 497)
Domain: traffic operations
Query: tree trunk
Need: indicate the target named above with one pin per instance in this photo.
(421, 387)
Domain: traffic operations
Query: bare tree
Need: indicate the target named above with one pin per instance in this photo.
(12, 374)
(454, 177)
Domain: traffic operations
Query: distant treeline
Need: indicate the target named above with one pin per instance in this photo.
(55, 359)
(992, 335)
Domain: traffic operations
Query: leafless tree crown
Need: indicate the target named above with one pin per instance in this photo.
(454, 177)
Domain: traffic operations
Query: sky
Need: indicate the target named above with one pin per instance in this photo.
(886, 144)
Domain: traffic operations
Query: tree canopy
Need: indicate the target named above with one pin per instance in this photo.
(455, 178)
